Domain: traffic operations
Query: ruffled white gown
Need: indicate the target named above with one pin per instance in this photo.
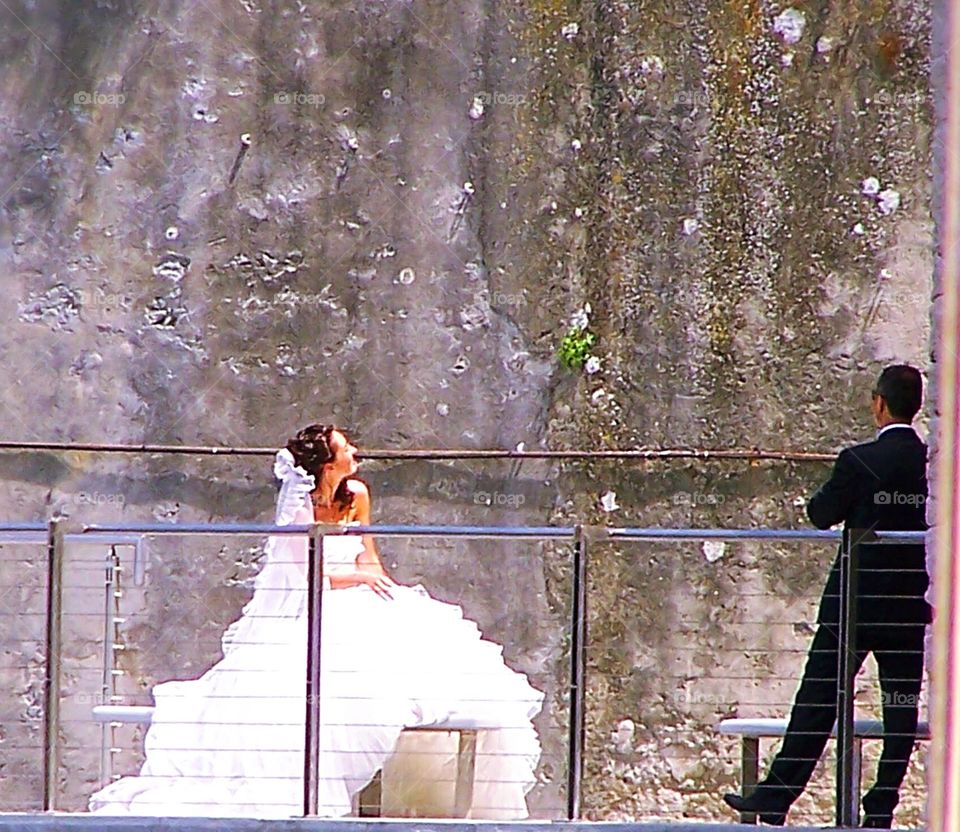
(231, 742)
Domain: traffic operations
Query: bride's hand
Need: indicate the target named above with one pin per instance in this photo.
(380, 584)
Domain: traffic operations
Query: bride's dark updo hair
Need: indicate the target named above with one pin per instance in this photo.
(311, 451)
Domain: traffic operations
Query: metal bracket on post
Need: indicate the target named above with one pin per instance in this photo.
(578, 665)
(51, 681)
(848, 801)
(311, 756)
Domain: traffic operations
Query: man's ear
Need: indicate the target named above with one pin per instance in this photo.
(883, 411)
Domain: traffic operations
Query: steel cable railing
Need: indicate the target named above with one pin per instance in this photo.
(581, 538)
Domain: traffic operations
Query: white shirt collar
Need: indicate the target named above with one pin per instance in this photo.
(883, 430)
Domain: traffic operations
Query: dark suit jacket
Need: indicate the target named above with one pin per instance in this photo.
(879, 485)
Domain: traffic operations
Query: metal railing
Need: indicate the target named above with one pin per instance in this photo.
(580, 536)
(316, 534)
(847, 813)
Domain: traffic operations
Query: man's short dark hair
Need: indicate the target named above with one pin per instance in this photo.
(901, 386)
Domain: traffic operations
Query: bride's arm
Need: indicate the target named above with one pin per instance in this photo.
(343, 577)
(368, 568)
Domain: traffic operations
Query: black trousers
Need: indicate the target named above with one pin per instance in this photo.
(898, 651)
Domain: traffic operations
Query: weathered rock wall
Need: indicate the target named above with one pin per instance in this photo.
(748, 281)
(429, 192)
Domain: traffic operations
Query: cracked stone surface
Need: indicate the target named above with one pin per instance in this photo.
(223, 220)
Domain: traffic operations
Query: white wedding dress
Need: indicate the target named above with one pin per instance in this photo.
(231, 742)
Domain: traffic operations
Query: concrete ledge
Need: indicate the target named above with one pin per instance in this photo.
(103, 823)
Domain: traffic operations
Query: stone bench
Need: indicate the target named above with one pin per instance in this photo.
(752, 730)
(369, 799)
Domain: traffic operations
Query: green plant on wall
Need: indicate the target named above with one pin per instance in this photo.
(575, 348)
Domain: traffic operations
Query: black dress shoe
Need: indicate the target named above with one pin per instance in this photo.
(877, 822)
(768, 814)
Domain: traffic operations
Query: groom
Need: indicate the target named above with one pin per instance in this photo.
(879, 485)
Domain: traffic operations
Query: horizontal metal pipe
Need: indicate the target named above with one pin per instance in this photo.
(438, 454)
(33, 536)
(898, 537)
(23, 527)
(721, 534)
(883, 537)
(537, 532)
(109, 532)
(545, 532)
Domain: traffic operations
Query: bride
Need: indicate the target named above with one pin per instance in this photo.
(231, 743)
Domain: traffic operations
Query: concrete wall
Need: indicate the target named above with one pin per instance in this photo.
(431, 191)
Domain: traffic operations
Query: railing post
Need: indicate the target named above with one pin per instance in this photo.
(578, 642)
(848, 802)
(51, 680)
(108, 683)
(311, 755)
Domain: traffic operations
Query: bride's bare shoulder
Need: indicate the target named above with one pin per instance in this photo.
(359, 490)
(360, 510)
